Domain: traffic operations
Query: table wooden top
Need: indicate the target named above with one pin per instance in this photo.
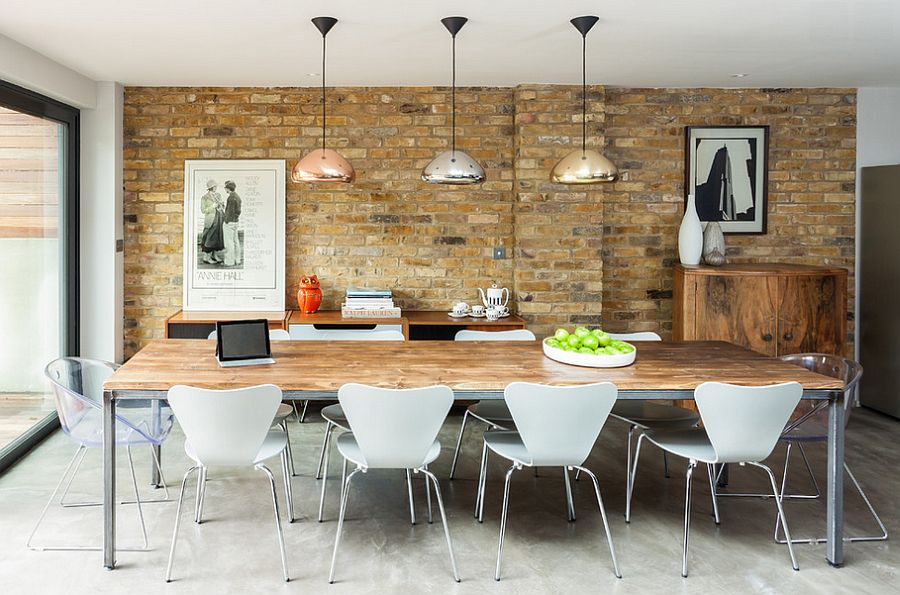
(323, 366)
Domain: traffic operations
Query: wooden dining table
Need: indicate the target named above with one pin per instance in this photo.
(314, 370)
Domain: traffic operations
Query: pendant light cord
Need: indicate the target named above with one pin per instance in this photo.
(453, 103)
(323, 96)
(583, 93)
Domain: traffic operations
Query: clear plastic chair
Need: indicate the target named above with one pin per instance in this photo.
(230, 428)
(392, 429)
(812, 428)
(742, 425)
(493, 412)
(557, 427)
(334, 415)
(77, 385)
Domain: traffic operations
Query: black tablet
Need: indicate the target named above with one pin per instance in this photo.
(243, 341)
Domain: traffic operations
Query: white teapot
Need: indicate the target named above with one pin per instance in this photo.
(494, 296)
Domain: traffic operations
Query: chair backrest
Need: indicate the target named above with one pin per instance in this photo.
(354, 335)
(559, 424)
(639, 336)
(519, 334)
(225, 427)
(834, 366)
(744, 422)
(275, 334)
(77, 385)
(395, 428)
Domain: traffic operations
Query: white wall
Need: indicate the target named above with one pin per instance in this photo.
(877, 143)
(102, 279)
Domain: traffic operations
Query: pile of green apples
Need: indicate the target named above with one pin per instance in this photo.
(582, 340)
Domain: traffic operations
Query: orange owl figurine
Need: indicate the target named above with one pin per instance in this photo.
(309, 296)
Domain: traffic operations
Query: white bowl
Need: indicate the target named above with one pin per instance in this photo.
(589, 360)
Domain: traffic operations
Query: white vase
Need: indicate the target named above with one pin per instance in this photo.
(690, 235)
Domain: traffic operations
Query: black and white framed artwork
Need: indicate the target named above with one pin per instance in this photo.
(726, 169)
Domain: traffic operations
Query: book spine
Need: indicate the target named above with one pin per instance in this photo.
(370, 313)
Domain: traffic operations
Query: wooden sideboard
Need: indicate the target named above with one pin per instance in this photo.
(774, 309)
(414, 324)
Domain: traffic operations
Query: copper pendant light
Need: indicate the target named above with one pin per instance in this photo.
(323, 165)
(584, 166)
(453, 167)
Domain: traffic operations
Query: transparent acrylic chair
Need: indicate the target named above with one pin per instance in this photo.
(493, 412)
(77, 385)
(812, 428)
(557, 427)
(392, 429)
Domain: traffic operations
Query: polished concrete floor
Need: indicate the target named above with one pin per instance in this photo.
(235, 549)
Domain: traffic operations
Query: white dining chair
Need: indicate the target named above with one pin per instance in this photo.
(392, 429)
(557, 427)
(77, 385)
(641, 416)
(230, 428)
(334, 414)
(741, 424)
(492, 412)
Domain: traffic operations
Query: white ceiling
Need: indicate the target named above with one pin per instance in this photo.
(657, 43)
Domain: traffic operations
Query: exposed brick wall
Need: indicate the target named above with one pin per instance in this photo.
(811, 208)
(576, 254)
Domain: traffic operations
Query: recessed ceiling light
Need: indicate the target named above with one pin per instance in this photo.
(740, 75)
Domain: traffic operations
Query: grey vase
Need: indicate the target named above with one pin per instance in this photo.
(713, 244)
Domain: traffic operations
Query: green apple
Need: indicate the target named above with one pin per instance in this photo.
(604, 339)
(552, 343)
(585, 350)
(561, 334)
(573, 341)
(581, 331)
(590, 341)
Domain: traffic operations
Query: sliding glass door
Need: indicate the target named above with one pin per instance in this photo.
(38, 258)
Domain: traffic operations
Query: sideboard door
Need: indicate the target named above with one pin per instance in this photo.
(811, 314)
(737, 309)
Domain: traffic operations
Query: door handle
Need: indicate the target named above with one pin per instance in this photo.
(788, 336)
(767, 337)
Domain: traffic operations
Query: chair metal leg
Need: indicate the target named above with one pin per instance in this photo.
(778, 503)
(609, 541)
(79, 455)
(323, 468)
(412, 504)
(329, 428)
(288, 488)
(809, 470)
(162, 480)
(632, 472)
(712, 490)
(628, 465)
(137, 497)
(503, 520)
(428, 495)
(687, 517)
(177, 520)
(80, 504)
(570, 505)
(784, 496)
(290, 454)
(284, 568)
(665, 464)
(343, 480)
(337, 538)
(301, 417)
(482, 480)
(201, 496)
(440, 501)
(462, 429)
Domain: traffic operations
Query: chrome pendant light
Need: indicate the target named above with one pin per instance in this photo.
(453, 167)
(584, 166)
(323, 165)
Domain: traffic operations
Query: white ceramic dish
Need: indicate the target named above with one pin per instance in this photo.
(589, 360)
(452, 315)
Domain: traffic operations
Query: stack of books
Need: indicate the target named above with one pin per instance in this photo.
(369, 303)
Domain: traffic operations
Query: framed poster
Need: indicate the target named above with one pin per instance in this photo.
(234, 235)
(726, 169)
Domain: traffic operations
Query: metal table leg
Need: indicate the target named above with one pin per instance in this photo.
(109, 481)
(155, 408)
(834, 515)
